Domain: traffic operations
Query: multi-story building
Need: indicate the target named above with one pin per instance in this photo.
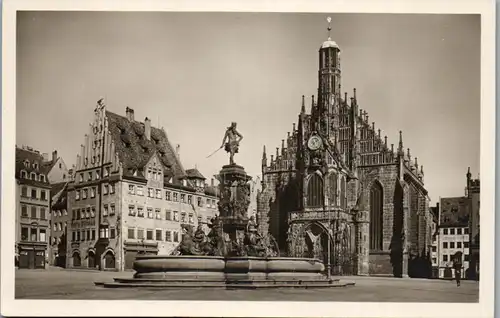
(131, 194)
(337, 179)
(474, 196)
(453, 234)
(56, 167)
(32, 209)
(435, 241)
(59, 221)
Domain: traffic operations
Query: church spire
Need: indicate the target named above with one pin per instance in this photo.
(303, 108)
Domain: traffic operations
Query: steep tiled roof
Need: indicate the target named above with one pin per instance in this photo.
(194, 173)
(61, 201)
(31, 158)
(56, 188)
(134, 150)
(454, 212)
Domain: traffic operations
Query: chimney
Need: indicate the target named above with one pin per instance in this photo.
(178, 150)
(45, 156)
(130, 113)
(147, 128)
(54, 156)
(212, 182)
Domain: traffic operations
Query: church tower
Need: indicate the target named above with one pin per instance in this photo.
(328, 88)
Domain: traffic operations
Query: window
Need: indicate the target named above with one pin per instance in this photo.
(150, 213)
(176, 216)
(112, 211)
(131, 210)
(191, 219)
(42, 178)
(139, 190)
(84, 193)
(131, 233)
(93, 234)
(88, 235)
(112, 233)
(176, 197)
(73, 236)
(154, 175)
(80, 178)
(168, 196)
(466, 230)
(183, 217)
(105, 189)
(112, 188)
(104, 233)
(33, 193)
(158, 214)
(24, 192)
(131, 189)
(43, 235)
(33, 176)
(434, 248)
(105, 211)
(26, 163)
(149, 174)
(158, 193)
(151, 193)
(445, 244)
(176, 236)
(83, 235)
(315, 195)
(459, 244)
(459, 231)
(183, 198)
(92, 192)
(333, 181)
(168, 215)
(65, 212)
(59, 226)
(466, 257)
(445, 231)
(33, 212)
(452, 231)
(106, 171)
(89, 178)
(140, 234)
(149, 234)
(159, 236)
(445, 258)
(434, 260)
(24, 233)
(43, 195)
(140, 212)
(97, 175)
(34, 236)
(376, 216)
(82, 214)
(42, 214)
(168, 236)
(190, 199)
(466, 244)
(200, 203)
(24, 211)
(77, 194)
(87, 213)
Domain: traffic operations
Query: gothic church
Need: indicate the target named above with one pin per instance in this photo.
(335, 190)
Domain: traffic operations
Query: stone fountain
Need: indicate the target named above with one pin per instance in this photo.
(233, 254)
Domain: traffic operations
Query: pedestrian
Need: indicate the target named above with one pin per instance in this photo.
(457, 266)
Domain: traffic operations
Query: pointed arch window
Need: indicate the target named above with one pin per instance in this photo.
(343, 199)
(332, 179)
(376, 216)
(315, 197)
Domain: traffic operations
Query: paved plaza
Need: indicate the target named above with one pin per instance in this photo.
(76, 284)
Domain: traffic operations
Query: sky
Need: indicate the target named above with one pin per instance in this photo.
(195, 73)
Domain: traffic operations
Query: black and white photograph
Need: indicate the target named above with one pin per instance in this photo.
(299, 160)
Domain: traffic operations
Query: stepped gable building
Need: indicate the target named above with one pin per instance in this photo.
(335, 175)
(32, 209)
(131, 194)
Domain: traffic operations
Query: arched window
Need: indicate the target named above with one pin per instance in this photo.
(33, 176)
(376, 216)
(343, 200)
(332, 179)
(315, 195)
(24, 174)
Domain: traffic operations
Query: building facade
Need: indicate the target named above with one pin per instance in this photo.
(32, 209)
(131, 194)
(474, 196)
(454, 217)
(59, 220)
(57, 170)
(336, 189)
(435, 241)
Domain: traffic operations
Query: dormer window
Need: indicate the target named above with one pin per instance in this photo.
(26, 163)
(35, 165)
(42, 178)
(135, 173)
(33, 176)
(24, 174)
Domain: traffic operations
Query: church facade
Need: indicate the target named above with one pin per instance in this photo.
(337, 191)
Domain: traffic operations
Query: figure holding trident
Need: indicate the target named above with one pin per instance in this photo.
(231, 142)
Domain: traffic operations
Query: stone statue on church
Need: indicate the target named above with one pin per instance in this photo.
(231, 142)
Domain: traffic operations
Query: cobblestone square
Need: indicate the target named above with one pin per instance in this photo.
(74, 284)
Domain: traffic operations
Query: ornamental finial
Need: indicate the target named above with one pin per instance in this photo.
(329, 20)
